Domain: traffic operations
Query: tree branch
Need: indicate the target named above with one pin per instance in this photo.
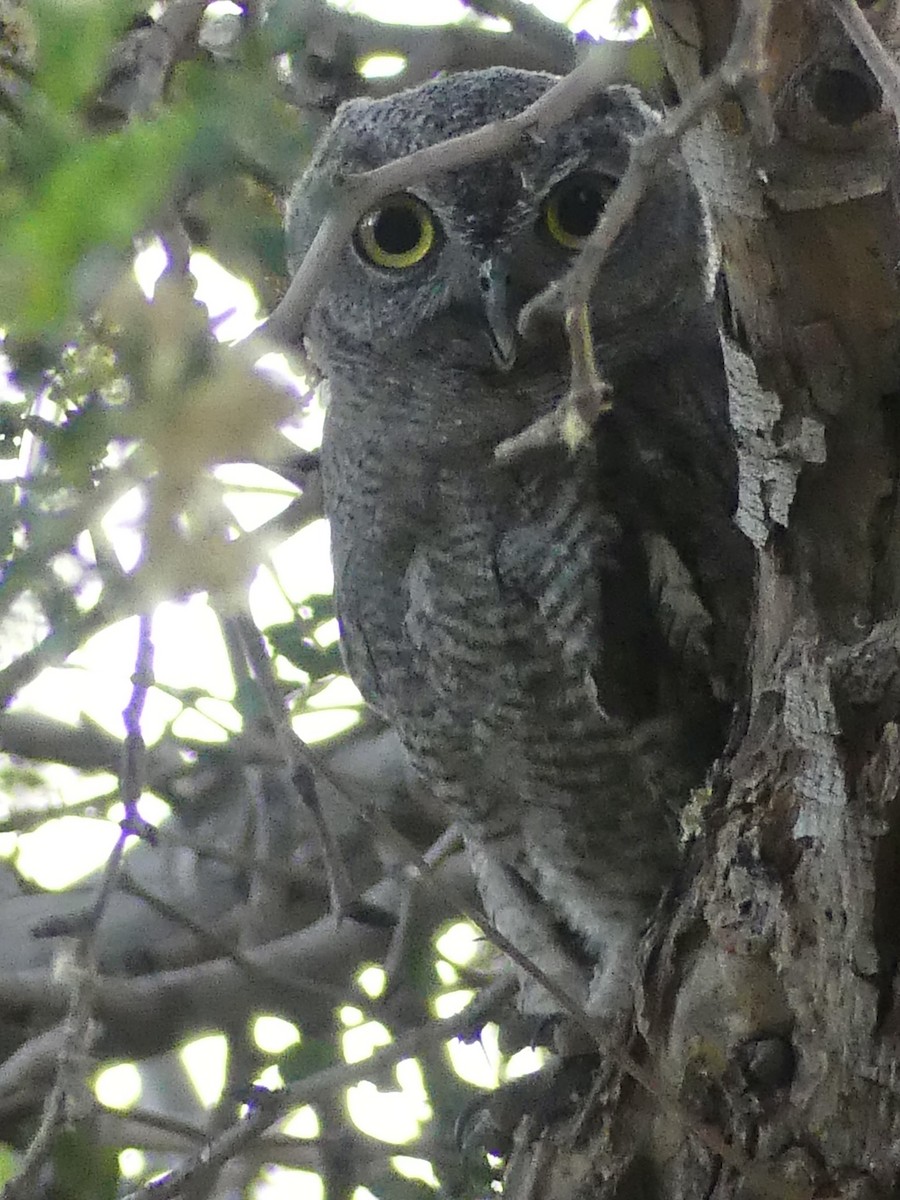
(871, 48)
(587, 396)
(79, 1031)
(273, 1106)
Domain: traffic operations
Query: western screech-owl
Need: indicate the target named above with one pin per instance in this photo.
(554, 640)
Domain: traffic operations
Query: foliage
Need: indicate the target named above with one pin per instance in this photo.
(116, 402)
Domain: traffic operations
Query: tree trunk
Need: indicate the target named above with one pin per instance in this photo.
(768, 1016)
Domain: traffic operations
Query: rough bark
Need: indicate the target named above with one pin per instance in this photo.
(769, 1014)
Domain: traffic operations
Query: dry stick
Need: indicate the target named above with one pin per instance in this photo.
(356, 194)
(871, 48)
(272, 1106)
(78, 1031)
(297, 990)
(588, 395)
(305, 764)
(448, 843)
(161, 1133)
(21, 575)
(297, 764)
(295, 987)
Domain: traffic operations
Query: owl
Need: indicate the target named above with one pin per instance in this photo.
(555, 639)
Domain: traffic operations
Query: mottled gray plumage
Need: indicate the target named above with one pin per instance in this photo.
(554, 641)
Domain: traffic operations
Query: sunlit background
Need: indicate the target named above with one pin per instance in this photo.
(190, 654)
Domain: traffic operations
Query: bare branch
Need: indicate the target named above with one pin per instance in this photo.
(296, 760)
(274, 1105)
(283, 981)
(587, 397)
(185, 998)
(143, 60)
(871, 48)
(80, 1030)
(325, 69)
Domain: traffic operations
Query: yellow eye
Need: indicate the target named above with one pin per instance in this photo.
(398, 234)
(573, 208)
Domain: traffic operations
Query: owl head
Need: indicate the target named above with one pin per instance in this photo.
(428, 290)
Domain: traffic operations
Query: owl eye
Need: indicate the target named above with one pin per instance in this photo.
(573, 208)
(398, 234)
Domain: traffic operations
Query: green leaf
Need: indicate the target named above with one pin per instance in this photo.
(306, 1057)
(239, 223)
(398, 1187)
(317, 609)
(82, 442)
(646, 69)
(96, 199)
(84, 1170)
(292, 640)
(9, 1164)
(74, 41)
(11, 429)
(242, 122)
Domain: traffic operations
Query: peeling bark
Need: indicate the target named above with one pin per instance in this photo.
(769, 1010)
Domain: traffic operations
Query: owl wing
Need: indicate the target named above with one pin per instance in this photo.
(371, 610)
(554, 559)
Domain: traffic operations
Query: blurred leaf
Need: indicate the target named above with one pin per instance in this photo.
(84, 1170)
(30, 359)
(238, 221)
(398, 1187)
(624, 15)
(291, 640)
(73, 42)
(305, 1058)
(197, 403)
(242, 122)
(10, 431)
(82, 206)
(81, 371)
(646, 68)
(10, 516)
(82, 442)
(316, 610)
(15, 776)
(8, 1164)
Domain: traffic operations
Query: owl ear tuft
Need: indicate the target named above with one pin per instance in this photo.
(625, 106)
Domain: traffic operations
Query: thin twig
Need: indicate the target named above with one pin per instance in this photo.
(588, 395)
(290, 986)
(744, 60)
(568, 1004)
(79, 1031)
(871, 48)
(274, 1105)
(297, 761)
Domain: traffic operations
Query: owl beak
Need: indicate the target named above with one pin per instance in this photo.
(493, 278)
